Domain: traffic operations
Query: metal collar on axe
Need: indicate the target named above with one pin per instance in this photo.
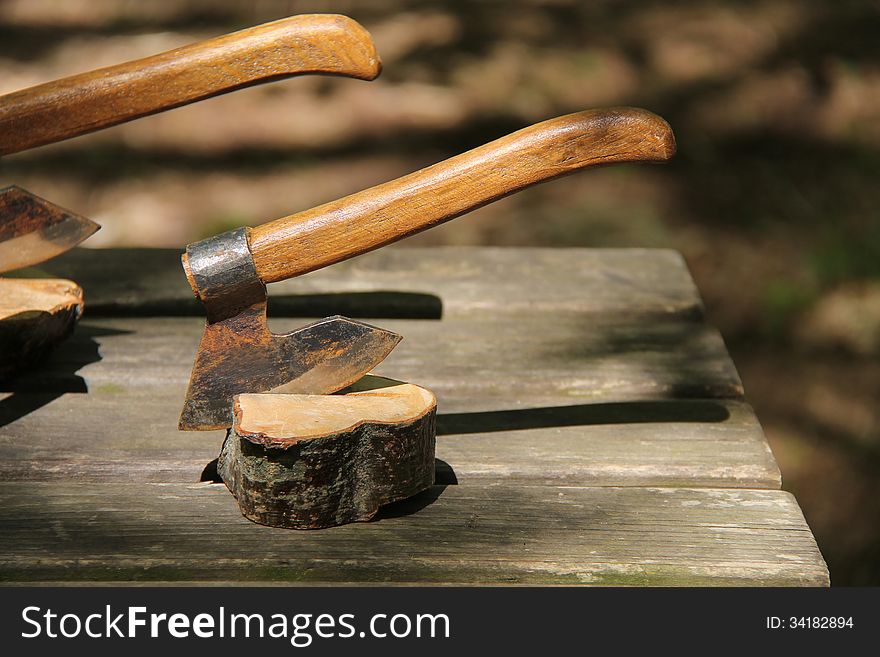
(228, 273)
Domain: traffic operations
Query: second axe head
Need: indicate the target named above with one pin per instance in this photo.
(33, 230)
(228, 272)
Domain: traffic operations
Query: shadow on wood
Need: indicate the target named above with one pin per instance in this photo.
(53, 377)
(158, 288)
(210, 474)
(377, 304)
(445, 476)
(410, 505)
(582, 415)
(372, 304)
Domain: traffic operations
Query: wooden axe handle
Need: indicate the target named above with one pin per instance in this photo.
(377, 216)
(312, 43)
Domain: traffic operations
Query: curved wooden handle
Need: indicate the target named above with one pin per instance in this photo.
(314, 43)
(374, 217)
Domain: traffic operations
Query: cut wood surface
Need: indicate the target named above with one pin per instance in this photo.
(318, 461)
(35, 315)
(562, 407)
(281, 421)
(22, 296)
(478, 534)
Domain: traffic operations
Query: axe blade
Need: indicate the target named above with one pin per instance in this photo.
(240, 355)
(33, 230)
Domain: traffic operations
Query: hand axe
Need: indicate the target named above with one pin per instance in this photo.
(76, 105)
(228, 273)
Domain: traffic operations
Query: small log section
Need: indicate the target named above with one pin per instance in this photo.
(35, 315)
(316, 461)
(591, 429)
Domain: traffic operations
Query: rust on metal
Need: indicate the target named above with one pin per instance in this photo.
(33, 230)
(239, 354)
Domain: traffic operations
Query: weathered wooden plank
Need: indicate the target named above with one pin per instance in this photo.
(136, 440)
(133, 437)
(411, 283)
(461, 534)
(589, 359)
(567, 382)
(712, 443)
(506, 408)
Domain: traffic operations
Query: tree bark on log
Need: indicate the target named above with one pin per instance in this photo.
(315, 461)
(35, 315)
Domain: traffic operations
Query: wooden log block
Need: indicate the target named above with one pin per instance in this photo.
(314, 461)
(35, 314)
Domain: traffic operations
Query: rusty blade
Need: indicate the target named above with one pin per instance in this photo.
(33, 230)
(240, 355)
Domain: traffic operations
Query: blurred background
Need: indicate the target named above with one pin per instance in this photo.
(773, 197)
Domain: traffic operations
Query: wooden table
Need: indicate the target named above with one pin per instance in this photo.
(591, 430)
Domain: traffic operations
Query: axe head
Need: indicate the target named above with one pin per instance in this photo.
(238, 353)
(33, 230)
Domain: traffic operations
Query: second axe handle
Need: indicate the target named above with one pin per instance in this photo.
(311, 43)
(383, 214)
